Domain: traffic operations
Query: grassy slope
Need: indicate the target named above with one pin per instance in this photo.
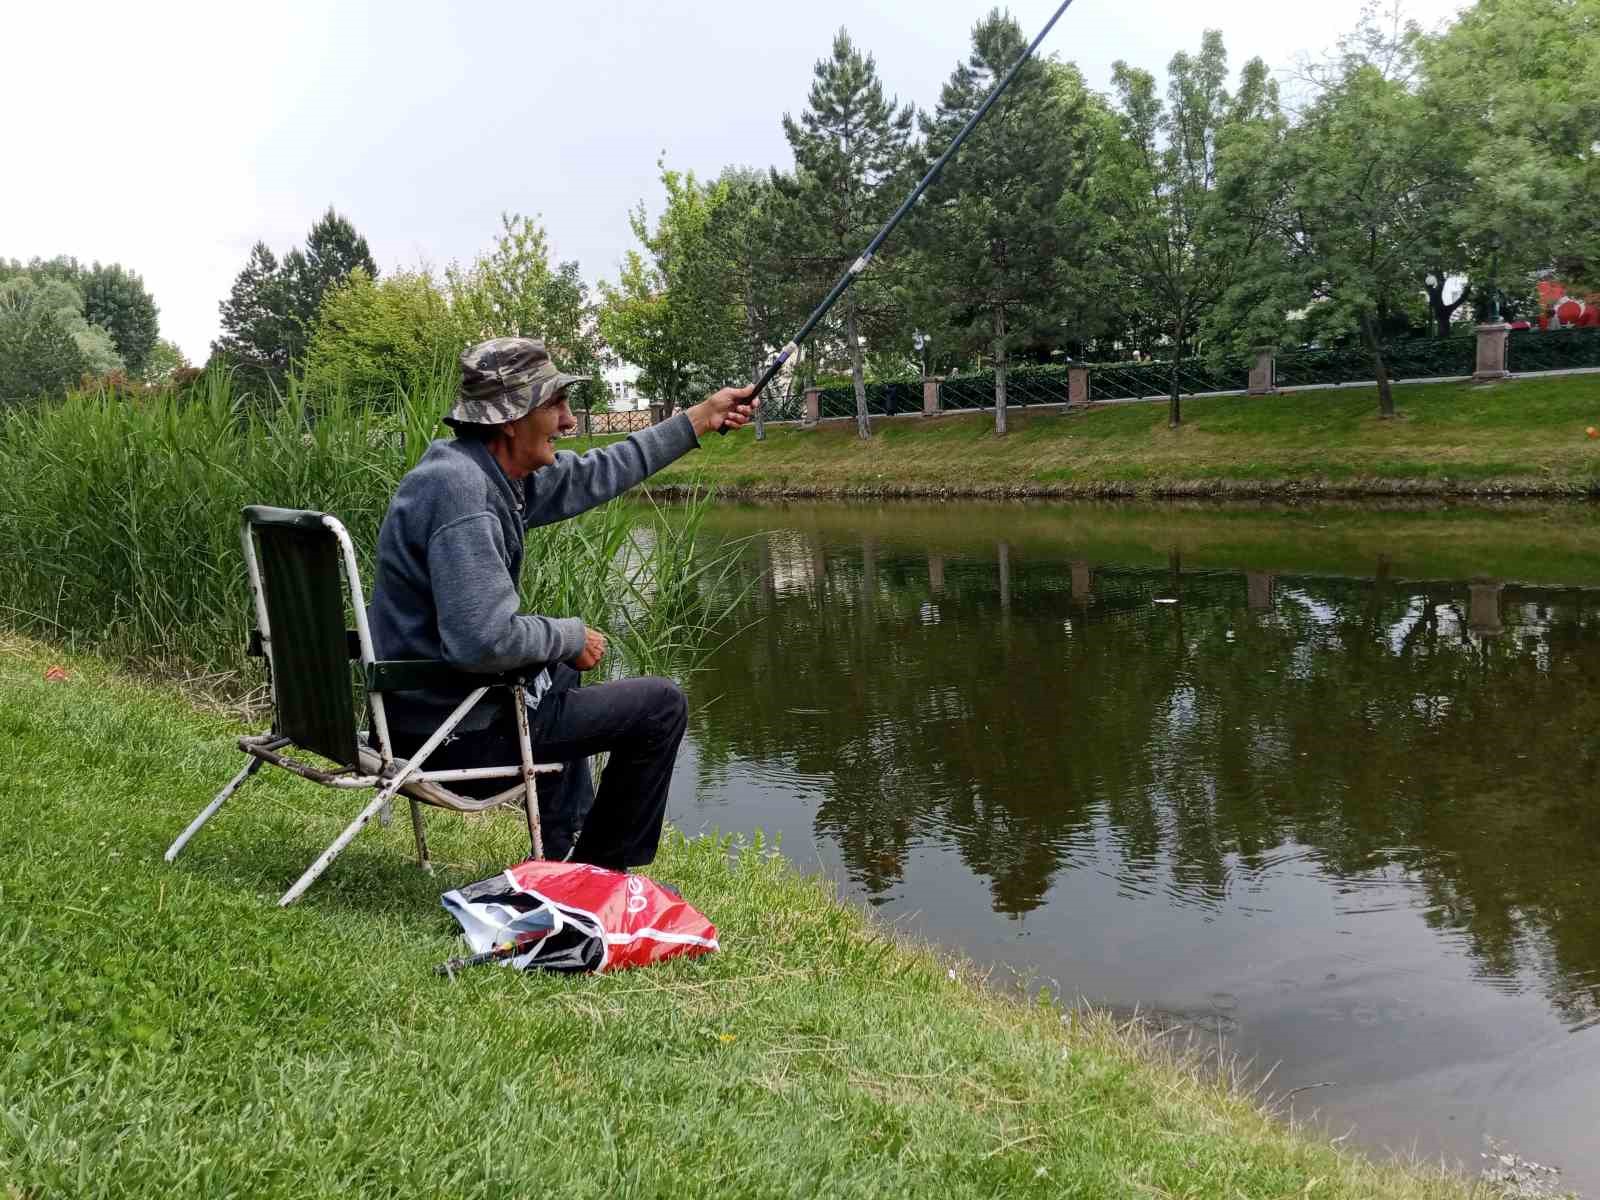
(165, 1030)
(1528, 434)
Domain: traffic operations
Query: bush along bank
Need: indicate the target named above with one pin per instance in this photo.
(164, 1031)
(1523, 437)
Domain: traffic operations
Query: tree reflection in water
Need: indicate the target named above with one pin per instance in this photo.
(1035, 711)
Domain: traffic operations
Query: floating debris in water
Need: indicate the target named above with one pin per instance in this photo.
(1166, 600)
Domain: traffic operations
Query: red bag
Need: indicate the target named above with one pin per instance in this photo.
(574, 917)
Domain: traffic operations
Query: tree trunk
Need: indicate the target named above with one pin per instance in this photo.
(756, 362)
(755, 374)
(1380, 371)
(1000, 371)
(1175, 405)
(1441, 311)
(863, 424)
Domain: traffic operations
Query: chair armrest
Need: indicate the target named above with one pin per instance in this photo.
(414, 674)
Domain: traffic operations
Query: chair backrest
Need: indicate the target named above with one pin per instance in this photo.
(302, 587)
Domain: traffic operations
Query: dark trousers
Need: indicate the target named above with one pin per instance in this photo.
(637, 722)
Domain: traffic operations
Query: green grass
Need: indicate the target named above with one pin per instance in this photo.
(1524, 435)
(164, 1031)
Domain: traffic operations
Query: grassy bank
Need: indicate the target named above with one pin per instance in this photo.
(165, 1031)
(1524, 436)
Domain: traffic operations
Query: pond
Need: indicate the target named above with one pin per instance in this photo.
(1320, 782)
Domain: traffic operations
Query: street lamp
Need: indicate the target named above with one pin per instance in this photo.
(920, 340)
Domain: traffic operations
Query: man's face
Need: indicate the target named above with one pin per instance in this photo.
(535, 443)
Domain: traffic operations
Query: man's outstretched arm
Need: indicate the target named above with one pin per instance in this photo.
(576, 483)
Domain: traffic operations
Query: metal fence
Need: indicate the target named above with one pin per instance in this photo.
(1131, 381)
(784, 406)
(885, 398)
(1030, 384)
(628, 421)
(1414, 358)
(1026, 386)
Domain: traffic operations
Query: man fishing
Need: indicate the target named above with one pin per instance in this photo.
(450, 554)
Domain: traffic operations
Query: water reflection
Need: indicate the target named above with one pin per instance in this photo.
(1176, 729)
(1324, 781)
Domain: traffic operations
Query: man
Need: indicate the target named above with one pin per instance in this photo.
(449, 558)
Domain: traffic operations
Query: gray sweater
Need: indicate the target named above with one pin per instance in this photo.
(450, 555)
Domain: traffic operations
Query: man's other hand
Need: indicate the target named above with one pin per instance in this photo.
(728, 409)
(594, 649)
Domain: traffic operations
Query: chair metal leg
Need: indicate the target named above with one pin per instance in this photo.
(339, 843)
(386, 794)
(210, 810)
(530, 794)
(422, 837)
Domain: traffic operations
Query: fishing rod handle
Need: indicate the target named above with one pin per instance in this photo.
(767, 375)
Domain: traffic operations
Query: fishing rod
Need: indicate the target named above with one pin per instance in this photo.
(860, 264)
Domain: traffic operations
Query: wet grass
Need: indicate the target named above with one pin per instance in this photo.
(1525, 435)
(164, 1031)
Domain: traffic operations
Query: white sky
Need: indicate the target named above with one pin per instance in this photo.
(178, 133)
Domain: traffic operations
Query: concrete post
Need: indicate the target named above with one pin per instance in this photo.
(813, 407)
(1491, 353)
(1264, 373)
(1077, 385)
(932, 401)
(1258, 590)
(658, 412)
(1483, 611)
(1082, 582)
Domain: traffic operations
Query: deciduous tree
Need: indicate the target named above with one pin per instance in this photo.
(1174, 228)
(38, 354)
(663, 314)
(514, 291)
(1522, 84)
(373, 338)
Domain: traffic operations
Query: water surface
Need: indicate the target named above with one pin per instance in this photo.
(1321, 782)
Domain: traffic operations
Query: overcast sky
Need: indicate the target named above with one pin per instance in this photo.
(171, 136)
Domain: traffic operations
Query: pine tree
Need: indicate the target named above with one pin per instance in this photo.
(850, 150)
(254, 320)
(1008, 223)
(271, 312)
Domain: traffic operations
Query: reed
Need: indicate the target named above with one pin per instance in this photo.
(119, 523)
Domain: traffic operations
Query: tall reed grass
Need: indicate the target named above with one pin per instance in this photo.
(119, 524)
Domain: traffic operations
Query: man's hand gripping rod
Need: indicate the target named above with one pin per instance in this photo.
(860, 264)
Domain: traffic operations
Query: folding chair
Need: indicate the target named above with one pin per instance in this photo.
(295, 560)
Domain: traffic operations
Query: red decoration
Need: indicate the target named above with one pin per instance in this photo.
(1591, 317)
(1569, 311)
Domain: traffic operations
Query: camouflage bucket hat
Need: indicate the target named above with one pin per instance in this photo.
(504, 379)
